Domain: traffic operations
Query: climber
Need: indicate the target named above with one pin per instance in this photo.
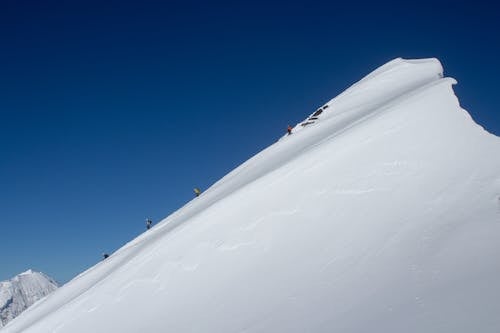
(148, 223)
(105, 255)
(289, 129)
(197, 191)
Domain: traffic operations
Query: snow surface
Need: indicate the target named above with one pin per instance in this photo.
(383, 215)
(21, 292)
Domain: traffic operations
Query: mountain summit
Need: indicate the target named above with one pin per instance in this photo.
(19, 293)
(379, 212)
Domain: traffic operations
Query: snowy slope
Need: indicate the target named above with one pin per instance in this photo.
(382, 215)
(21, 292)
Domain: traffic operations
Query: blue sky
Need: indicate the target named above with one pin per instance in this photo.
(112, 113)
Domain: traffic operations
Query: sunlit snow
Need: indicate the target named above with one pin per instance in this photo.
(381, 214)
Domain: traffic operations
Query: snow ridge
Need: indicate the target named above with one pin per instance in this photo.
(382, 211)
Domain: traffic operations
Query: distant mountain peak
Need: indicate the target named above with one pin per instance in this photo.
(22, 291)
(29, 271)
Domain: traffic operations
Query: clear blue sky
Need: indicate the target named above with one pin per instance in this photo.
(113, 111)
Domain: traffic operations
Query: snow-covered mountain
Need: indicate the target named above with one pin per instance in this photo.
(17, 294)
(380, 213)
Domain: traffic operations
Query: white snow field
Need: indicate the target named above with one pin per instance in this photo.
(383, 215)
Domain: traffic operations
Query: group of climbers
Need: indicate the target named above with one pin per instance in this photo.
(197, 193)
(149, 222)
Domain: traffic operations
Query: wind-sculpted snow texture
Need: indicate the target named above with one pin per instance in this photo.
(381, 215)
(21, 292)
